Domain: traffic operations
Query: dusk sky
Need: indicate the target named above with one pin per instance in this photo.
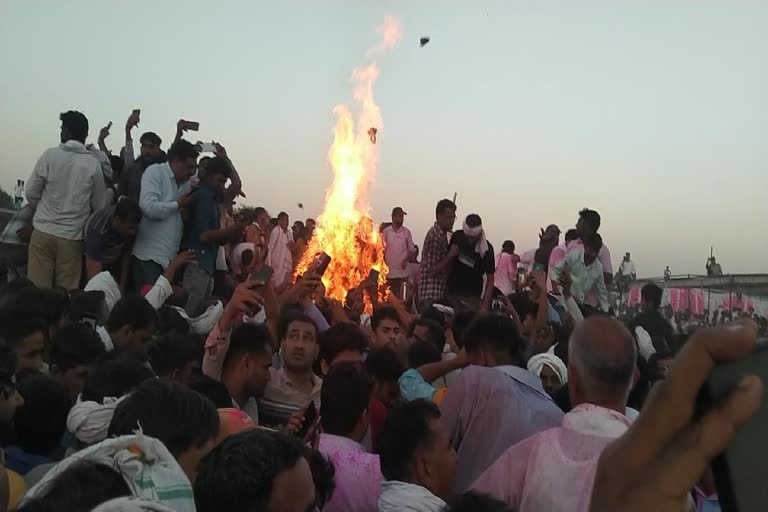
(654, 113)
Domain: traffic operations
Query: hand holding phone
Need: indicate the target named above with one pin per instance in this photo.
(321, 264)
(262, 275)
(310, 416)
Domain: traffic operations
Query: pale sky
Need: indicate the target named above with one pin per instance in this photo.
(654, 113)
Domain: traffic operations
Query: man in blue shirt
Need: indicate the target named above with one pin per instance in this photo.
(203, 233)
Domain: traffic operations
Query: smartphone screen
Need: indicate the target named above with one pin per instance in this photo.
(192, 125)
(740, 470)
(321, 264)
(206, 147)
(264, 274)
(310, 415)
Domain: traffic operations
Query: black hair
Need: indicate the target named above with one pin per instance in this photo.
(591, 218)
(571, 234)
(41, 421)
(86, 304)
(444, 204)
(182, 150)
(133, 311)
(340, 338)
(287, 318)
(172, 413)
(174, 352)
(76, 125)
(472, 501)
(170, 321)
(117, 165)
(15, 326)
(259, 210)
(128, 209)
(204, 159)
(214, 390)
(150, 138)
(473, 220)
(80, 488)
(494, 331)
(421, 353)
(246, 258)
(508, 246)
(239, 473)
(76, 345)
(218, 165)
(461, 321)
(385, 313)
(651, 294)
(282, 214)
(435, 332)
(323, 476)
(343, 398)
(405, 431)
(432, 313)
(594, 241)
(116, 376)
(523, 304)
(383, 364)
(248, 339)
(7, 370)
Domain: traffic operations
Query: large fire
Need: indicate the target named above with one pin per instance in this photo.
(345, 229)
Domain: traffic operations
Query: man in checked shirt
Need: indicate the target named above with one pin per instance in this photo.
(434, 261)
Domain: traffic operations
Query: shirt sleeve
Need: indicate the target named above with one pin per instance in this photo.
(605, 260)
(36, 182)
(216, 347)
(602, 293)
(99, 191)
(312, 312)
(159, 293)
(150, 199)
(414, 387)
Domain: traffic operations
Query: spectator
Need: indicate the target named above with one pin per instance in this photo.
(74, 352)
(713, 268)
(586, 271)
(384, 368)
(435, 262)
(588, 225)
(387, 329)
(344, 342)
(425, 329)
(292, 387)
(66, 185)
(177, 358)
(26, 336)
(184, 421)
(551, 369)
(204, 234)
(279, 256)
(471, 276)
(650, 318)
(554, 470)
(130, 324)
(133, 172)
(255, 470)
(247, 366)
(495, 402)
(398, 249)
(344, 417)
(505, 276)
(160, 230)
(109, 237)
(417, 460)
(39, 424)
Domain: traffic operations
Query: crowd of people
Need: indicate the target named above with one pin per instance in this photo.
(162, 355)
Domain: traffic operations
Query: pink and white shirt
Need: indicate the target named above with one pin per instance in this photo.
(554, 470)
(358, 475)
(505, 276)
(398, 243)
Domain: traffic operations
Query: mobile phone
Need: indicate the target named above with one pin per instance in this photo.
(373, 276)
(538, 267)
(739, 471)
(192, 125)
(206, 147)
(136, 112)
(321, 264)
(310, 415)
(264, 274)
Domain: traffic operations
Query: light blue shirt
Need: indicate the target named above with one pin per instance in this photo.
(160, 230)
(584, 278)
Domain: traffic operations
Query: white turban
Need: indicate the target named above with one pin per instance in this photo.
(89, 421)
(537, 362)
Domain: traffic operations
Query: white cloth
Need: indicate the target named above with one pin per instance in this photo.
(584, 278)
(628, 268)
(106, 339)
(401, 496)
(131, 504)
(279, 256)
(66, 185)
(147, 466)
(89, 421)
(160, 229)
(236, 260)
(204, 323)
(105, 282)
(537, 362)
(644, 343)
(481, 247)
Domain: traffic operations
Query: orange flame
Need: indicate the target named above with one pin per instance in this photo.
(345, 229)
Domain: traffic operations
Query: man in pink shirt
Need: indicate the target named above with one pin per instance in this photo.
(344, 417)
(505, 277)
(554, 469)
(398, 248)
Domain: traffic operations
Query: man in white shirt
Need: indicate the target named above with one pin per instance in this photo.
(398, 249)
(588, 224)
(627, 273)
(586, 271)
(65, 187)
(279, 255)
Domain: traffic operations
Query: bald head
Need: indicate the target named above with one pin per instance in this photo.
(602, 353)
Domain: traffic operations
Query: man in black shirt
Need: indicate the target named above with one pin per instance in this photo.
(473, 260)
(651, 319)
